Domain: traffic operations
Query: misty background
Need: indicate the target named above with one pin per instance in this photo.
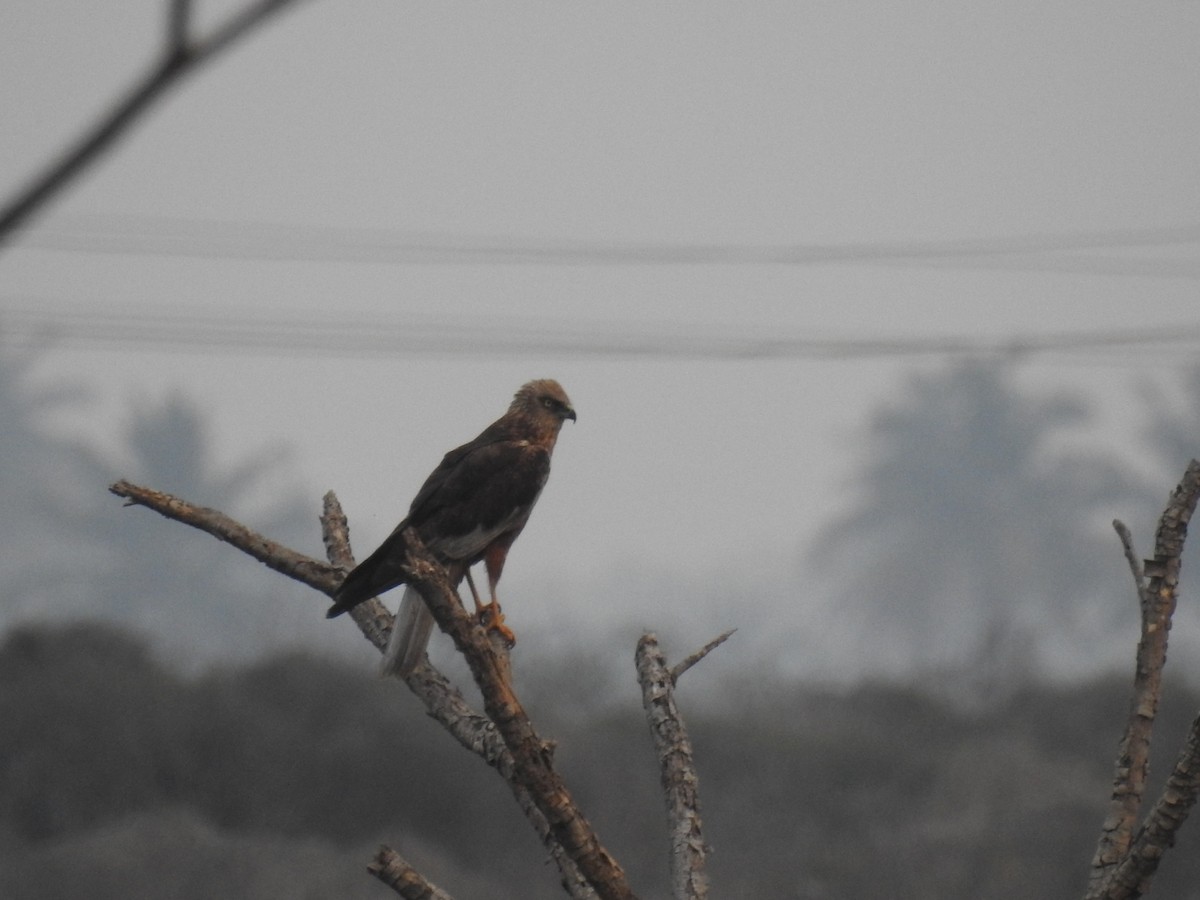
(874, 317)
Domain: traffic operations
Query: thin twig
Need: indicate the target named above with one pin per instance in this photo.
(316, 574)
(179, 26)
(683, 665)
(1135, 563)
(395, 871)
(176, 61)
(678, 769)
(1132, 766)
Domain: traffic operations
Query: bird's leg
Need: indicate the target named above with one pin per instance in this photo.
(475, 595)
(490, 616)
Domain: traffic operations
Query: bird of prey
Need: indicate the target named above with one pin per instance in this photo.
(471, 508)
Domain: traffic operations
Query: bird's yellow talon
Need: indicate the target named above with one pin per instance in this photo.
(492, 619)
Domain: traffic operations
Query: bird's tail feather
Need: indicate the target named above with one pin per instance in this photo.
(410, 635)
(379, 572)
(360, 585)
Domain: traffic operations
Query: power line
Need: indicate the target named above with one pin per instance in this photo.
(260, 241)
(335, 336)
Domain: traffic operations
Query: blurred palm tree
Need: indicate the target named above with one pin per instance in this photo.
(68, 549)
(975, 542)
(189, 591)
(36, 478)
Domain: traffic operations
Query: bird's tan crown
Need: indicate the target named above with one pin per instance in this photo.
(542, 406)
(532, 396)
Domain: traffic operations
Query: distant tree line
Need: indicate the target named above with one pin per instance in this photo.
(119, 777)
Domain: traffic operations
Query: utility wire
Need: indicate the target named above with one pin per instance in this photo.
(26, 320)
(209, 239)
(336, 336)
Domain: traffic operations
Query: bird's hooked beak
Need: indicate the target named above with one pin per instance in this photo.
(568, 413)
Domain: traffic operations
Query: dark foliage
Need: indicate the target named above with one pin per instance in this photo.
(119, 778)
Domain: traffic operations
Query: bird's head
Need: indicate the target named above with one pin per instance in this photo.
(545, 403)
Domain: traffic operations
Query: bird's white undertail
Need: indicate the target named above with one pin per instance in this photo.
(410, 635)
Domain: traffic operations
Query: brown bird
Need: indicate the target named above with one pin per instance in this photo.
(471, 508)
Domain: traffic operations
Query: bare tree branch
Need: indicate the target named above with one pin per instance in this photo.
(683, 665)
(316, 574)
(371, 617)
(532, 756)
(442, 700)
(474, 731)
(1133, 876)
(1132, 767)
(678, 769)
(395, 871)
(179, 16)
(181, 56)
(1135, 563)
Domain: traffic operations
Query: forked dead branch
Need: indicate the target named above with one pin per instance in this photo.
(1127, 855)
(504, 737)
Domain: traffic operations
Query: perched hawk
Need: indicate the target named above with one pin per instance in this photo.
(471, 508)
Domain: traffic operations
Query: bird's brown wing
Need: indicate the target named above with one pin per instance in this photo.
(480, 491)
(482, 494)
(464, 462)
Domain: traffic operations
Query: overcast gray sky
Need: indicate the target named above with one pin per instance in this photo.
(290, 181)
